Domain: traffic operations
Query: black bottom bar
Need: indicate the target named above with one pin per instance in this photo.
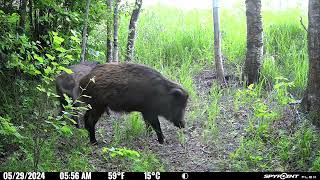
(155, 175)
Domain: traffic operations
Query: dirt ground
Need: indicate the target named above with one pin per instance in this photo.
(196, 154)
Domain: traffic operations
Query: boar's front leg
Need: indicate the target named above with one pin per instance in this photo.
(91, 118)
(153, 121)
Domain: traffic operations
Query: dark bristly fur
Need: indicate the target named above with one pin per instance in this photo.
(133, 87)
(69, 83)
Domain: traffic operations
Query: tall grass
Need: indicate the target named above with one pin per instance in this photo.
(170, 38)
(286, 43)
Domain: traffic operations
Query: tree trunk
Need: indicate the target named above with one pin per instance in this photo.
(36, 24)
(311, 100)
(254, 41)
(115, 31)
(31, 17)
(132, 30)
(23, 15)
(85, 33)
(109, 32)
(41, 26)
(217, 42)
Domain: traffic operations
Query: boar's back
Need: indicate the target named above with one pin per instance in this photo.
(126, 86)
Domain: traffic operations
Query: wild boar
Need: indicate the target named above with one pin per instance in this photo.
(69, 83)
(127, 87)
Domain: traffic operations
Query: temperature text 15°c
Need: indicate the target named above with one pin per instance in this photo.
(151, 175)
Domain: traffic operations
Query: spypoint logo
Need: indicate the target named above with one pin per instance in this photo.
(282, 176)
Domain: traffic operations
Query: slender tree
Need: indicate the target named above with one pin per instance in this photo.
(311, 100)
(109, 32)
(217, 42)
(31, 16)
(41, 26)
(23, 15)
(254, 41)
(115, 31)
(132, 30)
(36, 24)
(85, 33)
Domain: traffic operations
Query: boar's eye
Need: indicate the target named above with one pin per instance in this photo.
(176, 92)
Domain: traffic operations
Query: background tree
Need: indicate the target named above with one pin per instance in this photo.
(254, 41)
(311, 100)
(115, 31)
(132, 30)
(31, 17)
(85, 33)
(23, 14)
(109, 45)
(217, 42)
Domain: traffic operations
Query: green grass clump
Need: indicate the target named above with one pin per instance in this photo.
(286, 45)
(53, 154)
(128, 128)
(132, 160)
(268, 145)
(134, 126)
(210, 132)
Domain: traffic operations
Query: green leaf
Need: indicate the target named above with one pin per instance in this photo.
(54, 63)
(73, 121)
(104, 150)
(67, 98)
(74, 38)
(74, 32)
(61, 49)
(29, 57)
(50, 57)
(69, 57)
(69, 71)
(57, 40)
(37, 72)
(41, 89)
(54, 33)
(47, 70)
(39, 58)
(14, 18)
(66, 130)
(250, 86)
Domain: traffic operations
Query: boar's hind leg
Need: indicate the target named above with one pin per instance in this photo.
(155, 124)
(90, 118)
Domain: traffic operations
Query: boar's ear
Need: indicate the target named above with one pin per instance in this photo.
(176, 92)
